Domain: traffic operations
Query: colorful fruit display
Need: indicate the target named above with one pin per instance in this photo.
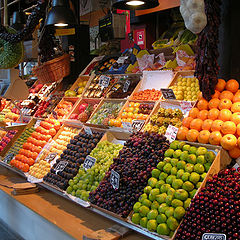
(147, 95)
(160, 121)
(139, 156)
(20, 141)
(63, 109)
(78, 91)
(39, 169)
(7, 139)
(77, 150)
(215, 209)
(109, 110)
(186, 88)
(172, 186)
(88, 180)
(216, 122)
(35, 143)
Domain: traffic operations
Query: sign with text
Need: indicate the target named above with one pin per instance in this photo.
(60, 166)
(127, 126)
(114, 179)
(89, 162)
(50, 157)
(104, 81)
(126, 86)
(186, 106)
(137, 124)
(168, 93)
(88, 130)
(37, 124)
(214, 236)
(8, 157)
(171, 133)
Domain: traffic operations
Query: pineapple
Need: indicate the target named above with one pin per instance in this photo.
(84, 116)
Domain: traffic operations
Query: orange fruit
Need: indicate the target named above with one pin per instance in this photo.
(203, 136)
(215, 138)
(182, 133)
(238, 142)
(196, 124)
(220, 85)
(238, 129)
(228, 141)
(202, 104)
(235, 107)
(213, 103)
(207, 124)
(232, 85)
(200, 96)
(192, 135)
(186, 122)
(216, 125)
(203, 114)
(235, 152)
(235, 118)
(213, 114)
(193, 112)
(226, 94)
(236, 97)
(225, 115)
(216, 94)
(225, 104)
(228, 127)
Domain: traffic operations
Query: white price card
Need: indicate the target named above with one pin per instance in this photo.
(114, 179)
(127, 126)
(126, 86)
(214, 236)
(104, 81)
(89, 162)
(8, 157)
(186, 106)
(88, 130)
(137, 124)
(60, 166)
(171, 133)
(51, 156)
(37, 124)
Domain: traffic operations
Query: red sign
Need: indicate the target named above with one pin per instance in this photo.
(140, 38)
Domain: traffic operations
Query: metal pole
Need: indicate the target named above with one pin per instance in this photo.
(5, 20)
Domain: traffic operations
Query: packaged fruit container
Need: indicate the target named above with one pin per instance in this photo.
(176, 180)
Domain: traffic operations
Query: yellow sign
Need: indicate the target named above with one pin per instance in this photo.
(64, 32)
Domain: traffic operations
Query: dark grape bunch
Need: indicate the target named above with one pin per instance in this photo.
(216, 209)
(140, 155)
(207, 52)
(77, 150)
(32, 22)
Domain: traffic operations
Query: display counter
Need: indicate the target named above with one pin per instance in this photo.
(45, 215)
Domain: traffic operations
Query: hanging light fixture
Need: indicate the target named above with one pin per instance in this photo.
(61, 15)
(134, 4)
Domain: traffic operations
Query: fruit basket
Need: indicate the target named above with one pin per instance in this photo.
(221, 160)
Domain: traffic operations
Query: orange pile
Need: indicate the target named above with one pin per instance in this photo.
(63, 109)
(216, 122)
(28, 154)
(149, 94)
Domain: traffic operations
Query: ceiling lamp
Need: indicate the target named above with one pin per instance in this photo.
(61, 15)
(134, 4)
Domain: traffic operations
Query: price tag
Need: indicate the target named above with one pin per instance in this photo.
(127, 126)
(50, 157)
(138, 124)
(114, 179)
(168, 93)
(186, 106)
(126, 86)
(104, 81)
(121, 60)
(171, 133)
(88, 130)
(60, 166)
(37, 124)
(32, 179)
(214, 236)
(8, 157)
(89, 162)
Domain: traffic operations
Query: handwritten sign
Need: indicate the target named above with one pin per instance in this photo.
(168, 93)
(104, 81)
(127, 126)
(8, 157)
(89, 162)
(37, 124)
(126, 86)
(137, 124)
(171, 133)
(60, 166)
(50, 157)
(114, 179)
(186, 106)
(88, 130)
(214, 236)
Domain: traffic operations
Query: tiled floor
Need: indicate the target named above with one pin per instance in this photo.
(7, 234)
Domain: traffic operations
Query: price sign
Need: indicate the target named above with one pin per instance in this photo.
(88, 130)
(60, 166)
(127, 126)
(186, 106)
(32, 179)
(50, 157)
(114, 179)
(104, 81)
(126, 86)
(171, 133)
(138, 124)
(8, 157)
(37, 124)
(89, 162)
(121, 60)
(168, 93)
(214, 236)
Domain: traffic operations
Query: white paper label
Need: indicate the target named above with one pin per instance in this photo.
(51, 157)
(171, 133)
(88, 130)
(126, 86)
(89, 162)
(60, 166)
(138, 124)
(114, 179)
(121, 60)
(8, 157)
(37, 124)
(32, 179)
(104, 81)
(214, 236)
(127, 126)
(186, 106)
